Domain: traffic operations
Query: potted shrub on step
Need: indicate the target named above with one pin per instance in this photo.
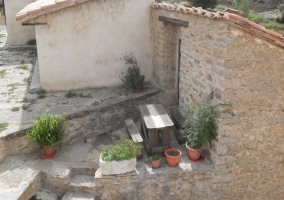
(172, 156)
(155, 160)
(201, 127)
(47, 132)
(120, 157)
(132, 78)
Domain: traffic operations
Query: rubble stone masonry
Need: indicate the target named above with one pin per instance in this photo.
(245, 71)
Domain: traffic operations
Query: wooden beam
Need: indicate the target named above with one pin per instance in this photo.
(173, 21)
(32, 24)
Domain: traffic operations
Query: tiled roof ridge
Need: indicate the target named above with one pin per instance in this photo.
(40, 7)
(240, 21)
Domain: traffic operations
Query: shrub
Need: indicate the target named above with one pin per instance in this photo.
(122, 149)
(132, 78)
(242, 5)
(204, 3)
(154, 157)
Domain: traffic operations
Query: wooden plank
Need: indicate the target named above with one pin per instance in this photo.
(133, 131)
(152, 120)
(173, 21)
(164, 116)
(178, 117)
(153, 139)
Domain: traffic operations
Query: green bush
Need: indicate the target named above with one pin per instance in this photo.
(204, 3)
(242, 5)
(122, 149)
(132, 78)
(201, 123)
(154, 157)
(48, 130)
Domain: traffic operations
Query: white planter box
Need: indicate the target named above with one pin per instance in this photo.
(117, 167)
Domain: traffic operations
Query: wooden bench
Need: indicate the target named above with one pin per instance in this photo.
(178, 121)
(134, 134)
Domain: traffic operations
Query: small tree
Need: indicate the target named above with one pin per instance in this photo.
(242, 5)
(204, 3)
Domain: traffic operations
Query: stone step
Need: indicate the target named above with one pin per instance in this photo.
(20, 183)
(44, 194)
(82, 183)
(78, 196)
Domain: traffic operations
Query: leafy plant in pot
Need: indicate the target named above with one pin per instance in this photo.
(155, 160)
(201, 127)
(47, 132)
(120, 157)
(132, 78)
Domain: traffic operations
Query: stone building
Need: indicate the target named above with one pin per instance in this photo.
(189, 52)
(243, 63)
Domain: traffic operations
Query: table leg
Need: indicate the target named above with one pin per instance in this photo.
(153, 140)
(166, 135)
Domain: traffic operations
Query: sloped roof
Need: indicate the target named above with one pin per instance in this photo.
(40, 7)
(238, 20)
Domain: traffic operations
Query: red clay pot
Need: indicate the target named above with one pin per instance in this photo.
(193, 154)
(172, 160)
(48, 150)
(137, 90)
(155, 163)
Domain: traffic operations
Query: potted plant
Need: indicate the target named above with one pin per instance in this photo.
(120, 157)
(155, 160)
(172, 156)
(132, 78)
(201, 127)
(47, 132)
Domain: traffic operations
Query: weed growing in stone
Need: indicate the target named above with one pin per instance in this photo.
(24, 67)
(22, 62)
(2, 73)
(14, 109)
(13, 86)
(26, 80)
(41, 93)
(71, 95)
(3, 126)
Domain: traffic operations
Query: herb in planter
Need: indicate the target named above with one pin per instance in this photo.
(122, 149)
(173, 153)
(154, 157)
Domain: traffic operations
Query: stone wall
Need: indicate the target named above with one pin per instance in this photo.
(187, 181)
(247, 72)
(105, 117)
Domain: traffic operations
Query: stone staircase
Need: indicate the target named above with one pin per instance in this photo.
(68, 176)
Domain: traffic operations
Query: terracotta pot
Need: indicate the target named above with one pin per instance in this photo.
(172, 160)
(193, 154)
(155, 163)
(48, 150)
(137, 90)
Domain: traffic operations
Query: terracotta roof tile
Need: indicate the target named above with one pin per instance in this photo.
(40, 7)
(242, 22)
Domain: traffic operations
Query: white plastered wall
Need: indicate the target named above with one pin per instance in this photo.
(17, 33)
(82, 46)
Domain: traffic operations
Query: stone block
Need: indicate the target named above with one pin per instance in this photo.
(117, 167)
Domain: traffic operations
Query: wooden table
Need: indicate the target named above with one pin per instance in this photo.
(155, 128)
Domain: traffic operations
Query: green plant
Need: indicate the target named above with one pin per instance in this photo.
(204, 3)
(132, 78)
(2, 73)
(173, 153)
(200, 125)
(122, 149)
(71, 95)
(242, 5)
(24, 67)
(280, 19)
(48, 130)
(41, 93)
(14, 109)
(3, 126)
(154, 157)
